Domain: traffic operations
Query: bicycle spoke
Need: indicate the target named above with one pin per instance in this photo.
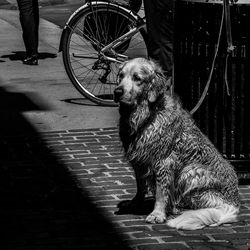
(81, 65)
(106, 20)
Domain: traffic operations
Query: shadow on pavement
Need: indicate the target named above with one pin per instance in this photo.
(144, 208)
(20, 55)
(13, 102)
(41, 205)
(80, 101)
(87, 102)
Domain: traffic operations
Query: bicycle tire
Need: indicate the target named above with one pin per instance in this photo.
(93, 78)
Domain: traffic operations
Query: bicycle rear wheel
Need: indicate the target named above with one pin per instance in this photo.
(88, 31)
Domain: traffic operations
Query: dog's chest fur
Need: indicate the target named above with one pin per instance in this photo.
(148, 133)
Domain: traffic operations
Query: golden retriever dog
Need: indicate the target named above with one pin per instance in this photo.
(193, 185)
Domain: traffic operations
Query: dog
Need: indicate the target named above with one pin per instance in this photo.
(193, 185)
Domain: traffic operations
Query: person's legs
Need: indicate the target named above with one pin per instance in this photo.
(29, 21)
(159, 16)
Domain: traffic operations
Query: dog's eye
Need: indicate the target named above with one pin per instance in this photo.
(136, 78)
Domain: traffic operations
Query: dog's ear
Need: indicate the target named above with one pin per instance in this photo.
(152, 93)
(157, 86)
(121, 66)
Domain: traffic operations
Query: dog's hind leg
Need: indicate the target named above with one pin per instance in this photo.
(212, 199)
(198, 179)
(212, 210)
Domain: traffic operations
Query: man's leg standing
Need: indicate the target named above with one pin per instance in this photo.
(29, 22)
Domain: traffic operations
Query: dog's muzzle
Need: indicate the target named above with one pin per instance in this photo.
(118, 93)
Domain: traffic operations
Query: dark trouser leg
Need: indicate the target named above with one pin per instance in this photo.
(29, 18)
(159, 16)
(36, 18)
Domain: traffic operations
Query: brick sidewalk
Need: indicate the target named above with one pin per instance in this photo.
(60, 190)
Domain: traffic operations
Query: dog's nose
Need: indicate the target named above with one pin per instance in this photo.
(118, 93)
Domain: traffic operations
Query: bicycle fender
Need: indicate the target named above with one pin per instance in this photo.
(96, 3)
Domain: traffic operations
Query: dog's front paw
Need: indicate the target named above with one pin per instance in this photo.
(156, 217)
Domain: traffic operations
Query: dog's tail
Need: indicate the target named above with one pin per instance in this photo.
(197, 219)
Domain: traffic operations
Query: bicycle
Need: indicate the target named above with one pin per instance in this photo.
(96, 39)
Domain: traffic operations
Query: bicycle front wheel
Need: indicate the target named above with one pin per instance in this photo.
(90, 30)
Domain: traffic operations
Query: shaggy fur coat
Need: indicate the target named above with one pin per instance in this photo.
(164, 145)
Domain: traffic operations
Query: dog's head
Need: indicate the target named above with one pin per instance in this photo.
(140, 80)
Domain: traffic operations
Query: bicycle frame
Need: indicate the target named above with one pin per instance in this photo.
(141, 24)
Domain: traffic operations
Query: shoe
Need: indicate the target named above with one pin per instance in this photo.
(31, 60)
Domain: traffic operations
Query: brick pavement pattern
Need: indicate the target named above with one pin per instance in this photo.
(60, 190)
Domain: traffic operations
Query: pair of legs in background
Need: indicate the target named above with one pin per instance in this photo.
(29, 19)
(160, 28)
